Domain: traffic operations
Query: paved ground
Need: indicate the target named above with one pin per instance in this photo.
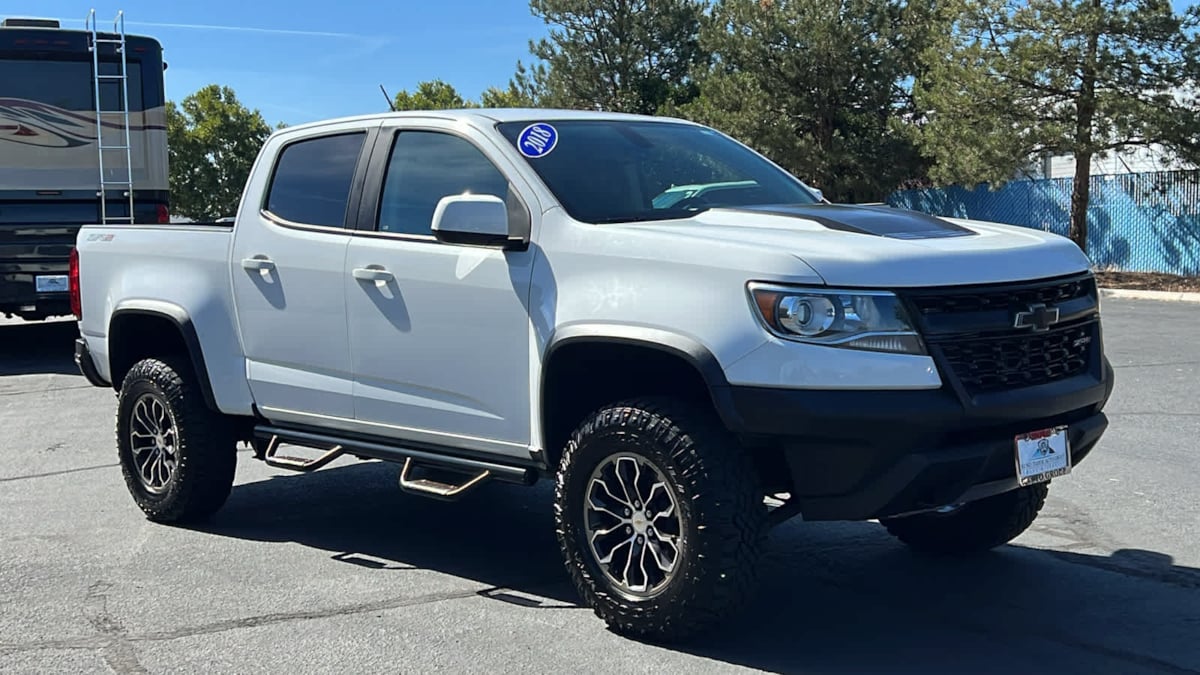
(338, 571)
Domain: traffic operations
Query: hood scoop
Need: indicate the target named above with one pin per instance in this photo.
(879, 221)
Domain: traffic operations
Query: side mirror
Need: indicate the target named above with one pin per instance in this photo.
(471, 219)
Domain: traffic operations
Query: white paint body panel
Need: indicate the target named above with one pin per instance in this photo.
(152, 266)
(292, 318)
(451, 350)
(440, 351)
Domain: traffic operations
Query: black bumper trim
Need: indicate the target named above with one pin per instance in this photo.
(83, 359)
(858, 455)
(942, 476)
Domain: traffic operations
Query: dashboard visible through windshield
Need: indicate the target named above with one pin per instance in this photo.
(613, 171)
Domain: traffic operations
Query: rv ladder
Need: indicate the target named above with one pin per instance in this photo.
(112, 179)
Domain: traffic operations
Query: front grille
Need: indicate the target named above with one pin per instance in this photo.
(955, 302)
(1012, 361)
(974, 332)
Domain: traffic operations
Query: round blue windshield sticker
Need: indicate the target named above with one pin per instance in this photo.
(537, 140)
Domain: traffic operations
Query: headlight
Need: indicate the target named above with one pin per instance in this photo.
(871, 320)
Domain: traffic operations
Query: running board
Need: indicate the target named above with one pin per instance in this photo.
(437, 489)
(425, 457)
(272, 457)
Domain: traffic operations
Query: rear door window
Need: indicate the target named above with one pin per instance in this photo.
(312, 180)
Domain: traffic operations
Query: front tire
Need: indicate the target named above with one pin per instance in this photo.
(659, 517)
(177, 456)
(974, 527)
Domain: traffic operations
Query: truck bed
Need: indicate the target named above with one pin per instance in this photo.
(159, 267)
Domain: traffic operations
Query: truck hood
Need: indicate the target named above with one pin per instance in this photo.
(887, 247)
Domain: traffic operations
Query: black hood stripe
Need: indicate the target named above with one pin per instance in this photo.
(880, 221)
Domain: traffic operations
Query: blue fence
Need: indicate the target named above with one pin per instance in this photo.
(1144, 222)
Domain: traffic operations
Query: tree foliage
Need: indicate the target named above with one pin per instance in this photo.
(820, 87)
(1015, 80)
(431, 95)
(619, 55)
(439, 95)
(213, 141)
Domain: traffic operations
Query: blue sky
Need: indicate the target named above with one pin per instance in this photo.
(303, 60)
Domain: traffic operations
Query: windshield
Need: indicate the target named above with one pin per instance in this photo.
(609, 171)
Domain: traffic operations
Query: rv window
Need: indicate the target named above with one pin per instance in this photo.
(68, 85)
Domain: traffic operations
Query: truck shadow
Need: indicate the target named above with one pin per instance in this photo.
(838, 597)
(38, 348)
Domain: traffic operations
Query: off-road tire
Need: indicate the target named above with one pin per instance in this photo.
(206, 445)
(723, 518)
(972, 528)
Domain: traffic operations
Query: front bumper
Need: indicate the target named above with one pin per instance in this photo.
(859, 455)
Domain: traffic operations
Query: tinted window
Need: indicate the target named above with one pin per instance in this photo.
(608, 171)
(312, 180)
(68, 84)
(426, 166)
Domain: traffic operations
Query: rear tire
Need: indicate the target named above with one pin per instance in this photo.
(974, 527)
(178, 457)
(696, 509)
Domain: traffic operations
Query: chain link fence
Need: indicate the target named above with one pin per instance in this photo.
(1138, 222)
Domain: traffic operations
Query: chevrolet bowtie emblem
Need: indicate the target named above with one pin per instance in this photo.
(1038, 317)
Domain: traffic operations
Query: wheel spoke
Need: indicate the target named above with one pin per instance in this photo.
(604, 533)
(628, 562)
(602, 509)
(160, 414)
(142, 416)
(666, 567)
(668, 513)
(621, 479)
(604, 485)
(642, 565)
(609, 558)
(152, 479)
(144, 466)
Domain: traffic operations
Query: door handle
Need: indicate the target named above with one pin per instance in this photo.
(376, 274)
(258, 263)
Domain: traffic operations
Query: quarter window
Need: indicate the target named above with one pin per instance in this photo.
(312, 180)
(426, 166)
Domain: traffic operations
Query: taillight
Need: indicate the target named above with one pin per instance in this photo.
(73, 285)
(163, 214)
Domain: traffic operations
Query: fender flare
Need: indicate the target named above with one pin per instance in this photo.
(686, 348)
(179, 317)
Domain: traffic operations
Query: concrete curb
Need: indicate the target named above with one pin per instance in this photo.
(1169, 296)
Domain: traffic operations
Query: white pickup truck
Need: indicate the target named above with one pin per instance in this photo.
(684, 337)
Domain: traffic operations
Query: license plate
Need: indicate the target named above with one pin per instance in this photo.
(51, 283)
(1042, 455)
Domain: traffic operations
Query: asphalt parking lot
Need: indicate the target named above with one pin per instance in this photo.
(339, 571)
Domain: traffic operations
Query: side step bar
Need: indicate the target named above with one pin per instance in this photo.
(412, 458)
(272, 457)
(437, 489)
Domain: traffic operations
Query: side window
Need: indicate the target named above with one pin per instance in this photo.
(426, 166)
(312, 180)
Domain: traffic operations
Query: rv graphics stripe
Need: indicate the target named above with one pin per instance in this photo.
(39, 124)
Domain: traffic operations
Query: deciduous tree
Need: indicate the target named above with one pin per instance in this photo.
(213, 141)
